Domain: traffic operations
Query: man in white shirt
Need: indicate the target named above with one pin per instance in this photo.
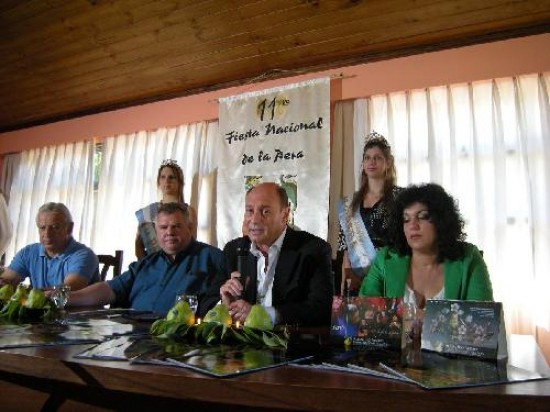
(288, 272)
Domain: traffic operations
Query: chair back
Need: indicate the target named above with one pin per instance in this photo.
(109, 261)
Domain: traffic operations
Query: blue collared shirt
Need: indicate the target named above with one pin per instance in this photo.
(154, 282)
(45, 272)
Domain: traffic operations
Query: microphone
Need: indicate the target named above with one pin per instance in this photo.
(242, 259)
(242, 263)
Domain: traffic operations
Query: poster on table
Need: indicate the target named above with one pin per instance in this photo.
(277, 135)
(467, 328)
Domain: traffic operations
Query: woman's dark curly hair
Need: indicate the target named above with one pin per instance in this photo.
(444, 215)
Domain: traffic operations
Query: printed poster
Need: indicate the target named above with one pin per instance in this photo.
(277, 135)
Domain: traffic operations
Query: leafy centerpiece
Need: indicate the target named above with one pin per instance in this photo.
(217, 327)
(25, 305)
(6, 292)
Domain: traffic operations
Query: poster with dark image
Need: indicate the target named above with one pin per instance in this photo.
(367, 321)
(466, 328)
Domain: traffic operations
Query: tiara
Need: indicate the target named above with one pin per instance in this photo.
(169, 162)
(376, 138)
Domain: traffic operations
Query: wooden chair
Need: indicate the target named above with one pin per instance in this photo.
(110, 261)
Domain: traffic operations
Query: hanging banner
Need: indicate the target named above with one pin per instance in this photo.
(277, 135)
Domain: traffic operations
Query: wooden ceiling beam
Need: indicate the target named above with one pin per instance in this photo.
(65, 59)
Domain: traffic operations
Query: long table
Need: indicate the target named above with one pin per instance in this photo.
(50, 378)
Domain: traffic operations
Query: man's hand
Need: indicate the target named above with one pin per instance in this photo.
(239, 310)
(9, 276)
(231, 289)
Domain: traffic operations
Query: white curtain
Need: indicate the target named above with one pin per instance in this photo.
(10, 164)
(51, 174)
(488, 144)
(341, 165)
(127, 181)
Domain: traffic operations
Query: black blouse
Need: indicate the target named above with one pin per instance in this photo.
(375, 219)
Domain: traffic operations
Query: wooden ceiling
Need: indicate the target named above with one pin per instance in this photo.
(67, 58)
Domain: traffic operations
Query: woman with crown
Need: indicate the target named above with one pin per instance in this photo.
(170, 182)
(364, 216)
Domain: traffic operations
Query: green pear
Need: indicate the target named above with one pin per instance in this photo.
(182, 313)
(36, 299)
(6, 292)
(20, 294)
(258, 318)
(219, 314)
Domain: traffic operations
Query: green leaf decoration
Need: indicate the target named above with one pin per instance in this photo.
(183, 330)
(158, 327)
(238, 336)
(273, 340)
(24, 306)
(224, 335)
(215, 333)
(10, 311)
(199, 329)
(254, 336)
(175, 328)
(6, 292)
(214, 336)
(206, 330)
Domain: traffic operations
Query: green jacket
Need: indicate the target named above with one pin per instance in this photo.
(465, 279)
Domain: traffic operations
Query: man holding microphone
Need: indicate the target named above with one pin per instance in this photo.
(288, 272)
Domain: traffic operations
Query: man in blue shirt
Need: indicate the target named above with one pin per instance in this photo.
(58, 258)
(182, 266)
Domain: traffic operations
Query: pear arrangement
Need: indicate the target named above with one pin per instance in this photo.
(216, 328)
(23, 304)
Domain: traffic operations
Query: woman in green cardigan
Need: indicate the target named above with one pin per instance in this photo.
(429, 258)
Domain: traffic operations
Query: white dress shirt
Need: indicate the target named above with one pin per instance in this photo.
(265, 269)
